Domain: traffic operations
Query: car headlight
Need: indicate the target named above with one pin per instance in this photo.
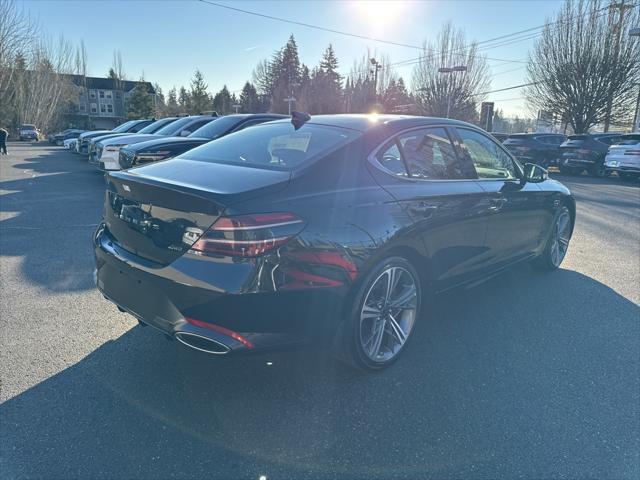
(612, 163)
(114, 148)
(152, 156)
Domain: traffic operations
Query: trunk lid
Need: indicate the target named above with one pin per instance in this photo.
(158, 211)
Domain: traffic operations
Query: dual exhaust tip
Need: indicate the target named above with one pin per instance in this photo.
(202, 343)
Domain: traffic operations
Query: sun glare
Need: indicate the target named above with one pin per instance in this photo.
(379, 15)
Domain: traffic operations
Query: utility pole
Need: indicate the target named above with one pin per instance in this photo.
(290, 99)
(376, 67)
(617, 28)
(447, 70)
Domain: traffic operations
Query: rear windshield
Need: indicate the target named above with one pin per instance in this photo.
(28, 127)
(155, 126)
(275, 146)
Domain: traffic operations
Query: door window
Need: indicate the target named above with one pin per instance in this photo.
(425, 154)
(489, 159)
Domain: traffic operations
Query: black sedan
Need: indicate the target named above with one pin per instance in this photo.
(586, 152)
(330, 230)
(540, 148)
(164, 148)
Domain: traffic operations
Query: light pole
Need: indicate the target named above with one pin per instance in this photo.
(635, 32)
(447, 70)
(376, 67)
(290, 99)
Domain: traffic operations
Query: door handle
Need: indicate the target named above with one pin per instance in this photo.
(424, 209)
(496, 204)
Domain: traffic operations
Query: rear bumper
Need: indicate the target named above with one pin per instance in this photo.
(577, 162)
(196, 294)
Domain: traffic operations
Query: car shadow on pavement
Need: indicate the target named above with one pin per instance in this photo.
(51, 203)
(527, 375)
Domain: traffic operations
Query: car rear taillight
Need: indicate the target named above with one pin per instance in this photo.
(248, 235)
(632, 152)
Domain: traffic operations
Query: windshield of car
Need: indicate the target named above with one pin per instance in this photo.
(124, 126)
(175, 126)
(28, 127)
(216, 128)
(274, 146)
(157, 125)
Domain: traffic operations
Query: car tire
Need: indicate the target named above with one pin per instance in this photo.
(379, 322)
(598, 171)
(557, 244)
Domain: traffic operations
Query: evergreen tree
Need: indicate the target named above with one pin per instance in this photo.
(199, 100)
(395, 98)
(328, 84)
(172, 102)
(183, 100)
(140, 104)
(249, 99)
(112, 74)
(160, 103)
(285, 74)
(223, 102)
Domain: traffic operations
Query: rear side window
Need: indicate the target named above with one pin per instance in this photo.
(489, 159)
(275, 146)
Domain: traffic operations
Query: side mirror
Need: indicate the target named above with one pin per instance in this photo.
(185, 133)
(534, 173)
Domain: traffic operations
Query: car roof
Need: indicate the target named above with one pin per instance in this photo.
(242, 116)
(364, 122)
(539, 134)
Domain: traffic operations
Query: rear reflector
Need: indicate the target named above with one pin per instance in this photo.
(222, 330)
(248, 235)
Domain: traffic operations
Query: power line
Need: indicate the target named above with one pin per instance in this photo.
(507, 88)
(308, 25)
(324, 29)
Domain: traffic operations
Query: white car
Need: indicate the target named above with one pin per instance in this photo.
(107, 151)
(70, 143)
(624, 156)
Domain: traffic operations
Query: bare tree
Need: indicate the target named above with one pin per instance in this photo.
(585, 66)
(41, 87)
(459, 92)
(17, 33)
(117, 68)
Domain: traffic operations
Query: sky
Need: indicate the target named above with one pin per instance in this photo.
(167, 40)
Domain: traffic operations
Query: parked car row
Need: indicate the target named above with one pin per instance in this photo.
(599, 154)
(149, 140)
(60, 137)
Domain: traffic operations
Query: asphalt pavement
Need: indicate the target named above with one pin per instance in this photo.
(530, 375)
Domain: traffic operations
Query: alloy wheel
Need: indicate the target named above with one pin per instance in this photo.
(561, 237)
(388, 314)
